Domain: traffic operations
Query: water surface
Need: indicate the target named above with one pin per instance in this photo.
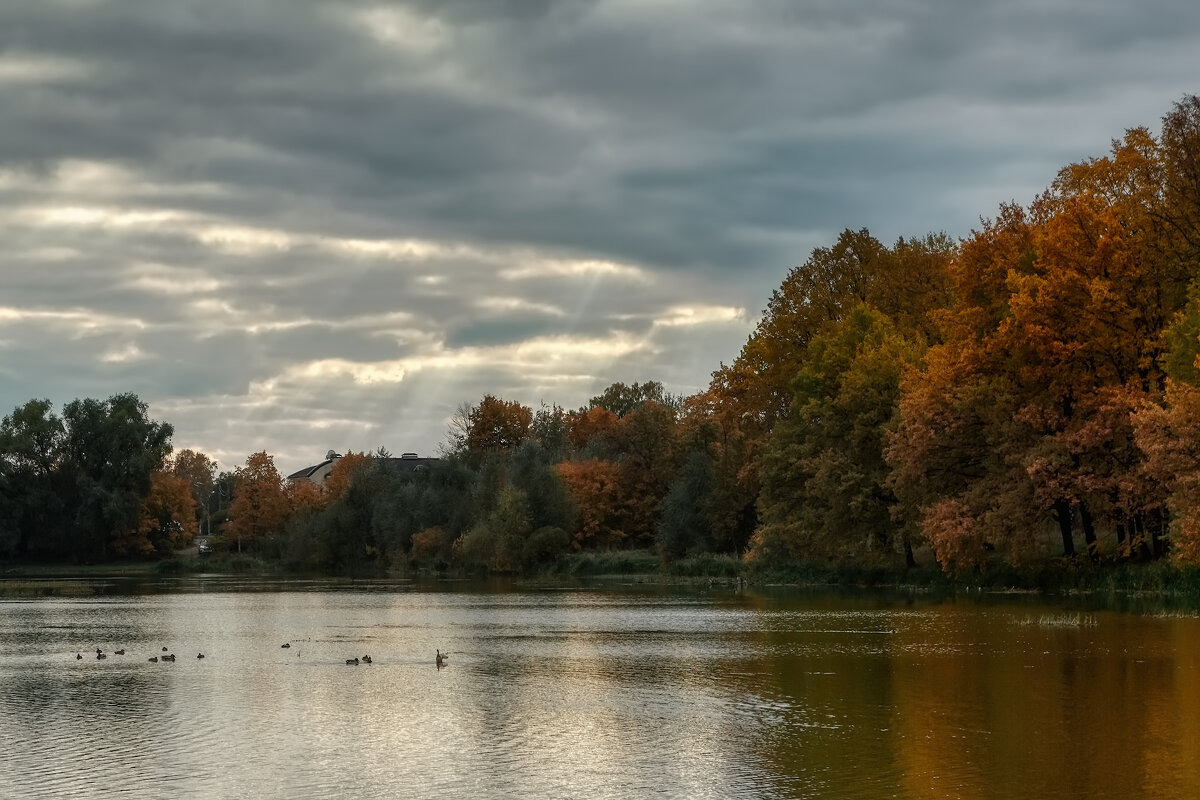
(616, 693)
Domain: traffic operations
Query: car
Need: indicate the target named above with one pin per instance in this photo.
(203, 548)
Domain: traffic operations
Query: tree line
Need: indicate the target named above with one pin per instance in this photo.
(1031, 390)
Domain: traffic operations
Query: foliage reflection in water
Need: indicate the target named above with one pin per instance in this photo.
(551, 694)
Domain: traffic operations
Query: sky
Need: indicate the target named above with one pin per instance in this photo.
(296, 226)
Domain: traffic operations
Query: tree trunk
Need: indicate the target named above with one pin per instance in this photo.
(909, 560)
(1143, 543)
(1089, 532)
(1062, 510)
(1158, 528)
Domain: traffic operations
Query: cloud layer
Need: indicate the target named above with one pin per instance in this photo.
(308, 225)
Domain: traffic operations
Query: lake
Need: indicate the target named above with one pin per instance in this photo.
(618, 692)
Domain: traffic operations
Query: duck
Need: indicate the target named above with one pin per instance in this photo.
(352, 662)
(153, 659)
(286, 644)
(100, 655)
(366, 659)
(170, 657)
(441, 658)
(120, 652)
(79, 656)
(98, 651)
(164, 649)
(199, 655)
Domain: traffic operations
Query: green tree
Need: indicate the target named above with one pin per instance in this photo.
(32, 511)
(825, 479)
(685, 526)
(530, 470)
(110, 452)
(622, 399)
(746, 399)
(199, 472)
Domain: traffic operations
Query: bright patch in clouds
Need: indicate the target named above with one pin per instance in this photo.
(16, 68)
(123, 355)
(513, 305)
(403, 29)
(172, 281)
(704, 315)
(574, 268)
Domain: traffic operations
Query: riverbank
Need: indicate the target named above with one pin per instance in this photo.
(1052, 577)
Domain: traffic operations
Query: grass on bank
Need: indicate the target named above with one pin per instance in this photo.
(1051, 576)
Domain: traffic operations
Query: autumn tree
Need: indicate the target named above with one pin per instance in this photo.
(337, 482)
(825, 481)
(1169, 436)
(748, 398)
(587, 425)
(260, 505)
(1179, 145)
(167, 521)
(492, 426)
(812, 296)
(595, 489)
(304, 497)
(1056, 336)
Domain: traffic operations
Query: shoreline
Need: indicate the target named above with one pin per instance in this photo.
(1051, 578)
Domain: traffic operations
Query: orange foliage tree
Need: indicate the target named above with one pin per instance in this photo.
(304, 496)
(167, 520)
(1169, 435)
(492, 426)
(585, 425)
(337, 482)
(260, 505)
(1055, 338)
(594, 486)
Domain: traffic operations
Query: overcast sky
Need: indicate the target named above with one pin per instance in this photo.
(295, 225)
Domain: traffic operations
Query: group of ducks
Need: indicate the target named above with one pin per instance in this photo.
(439, 659)
(100, 655)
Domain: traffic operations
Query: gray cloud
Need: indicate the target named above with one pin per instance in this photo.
(300, 225)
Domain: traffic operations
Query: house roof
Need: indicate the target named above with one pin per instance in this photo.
(408, 462)
(308, 472)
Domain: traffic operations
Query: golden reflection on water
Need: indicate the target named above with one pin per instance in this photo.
(1099, 706)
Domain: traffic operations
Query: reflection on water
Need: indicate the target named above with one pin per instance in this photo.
(553, 694)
